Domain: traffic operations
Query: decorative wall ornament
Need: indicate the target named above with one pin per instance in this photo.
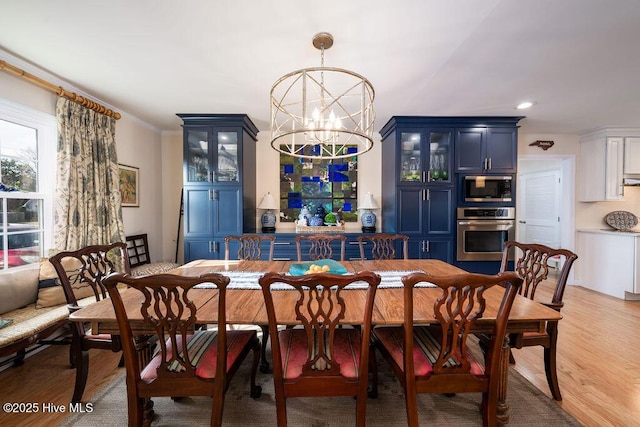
(545, 145)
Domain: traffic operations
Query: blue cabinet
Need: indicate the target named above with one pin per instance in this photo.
(431, 248)
(285, 248)
(418, 185)
(423, 158)
(219, 181)
(489, 149)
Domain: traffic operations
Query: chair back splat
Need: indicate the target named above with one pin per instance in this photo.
(313, 356)
(81, 274)
(383, 246)
(189, 362)
(87, 267)
(434, 357)
(319, 246)
(250, 246)
(532, 265)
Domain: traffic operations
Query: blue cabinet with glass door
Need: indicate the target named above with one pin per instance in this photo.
(418, 189)
(219, 199)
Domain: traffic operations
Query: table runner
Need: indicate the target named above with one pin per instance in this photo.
(249, 280)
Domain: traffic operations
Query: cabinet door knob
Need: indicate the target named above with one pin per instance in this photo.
(489, 163)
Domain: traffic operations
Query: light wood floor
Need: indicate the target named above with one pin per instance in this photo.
(599, 367)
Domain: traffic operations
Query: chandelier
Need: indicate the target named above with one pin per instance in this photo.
(322, 112)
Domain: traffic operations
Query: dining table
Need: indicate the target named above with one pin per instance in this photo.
(245, 302)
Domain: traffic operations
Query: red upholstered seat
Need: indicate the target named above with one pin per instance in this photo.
(535, 334)
(426, 348)
(207, 356)
(99, 337)
(294, 350)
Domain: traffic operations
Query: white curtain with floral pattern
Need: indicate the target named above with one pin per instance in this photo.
(87, 199)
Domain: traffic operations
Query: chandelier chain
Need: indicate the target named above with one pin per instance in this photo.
(322, 78)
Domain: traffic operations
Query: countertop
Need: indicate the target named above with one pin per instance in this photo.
(632, 232)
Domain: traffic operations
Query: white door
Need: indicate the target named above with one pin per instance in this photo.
(539, 213)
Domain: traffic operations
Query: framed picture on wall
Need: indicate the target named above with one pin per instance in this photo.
(129, 185)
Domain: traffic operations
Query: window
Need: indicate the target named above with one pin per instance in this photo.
(318, 182)
(27, 141)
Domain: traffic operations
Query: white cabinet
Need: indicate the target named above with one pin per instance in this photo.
(632, 155)
(601, 168)
(608, 262)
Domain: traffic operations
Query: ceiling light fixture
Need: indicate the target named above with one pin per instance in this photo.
(322, 112)
(525, 105)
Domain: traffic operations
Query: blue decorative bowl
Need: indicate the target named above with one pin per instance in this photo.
(300, 268)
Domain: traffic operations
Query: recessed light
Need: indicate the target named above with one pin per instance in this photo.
(524, 105)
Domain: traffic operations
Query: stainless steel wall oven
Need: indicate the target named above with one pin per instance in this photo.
(482, 232)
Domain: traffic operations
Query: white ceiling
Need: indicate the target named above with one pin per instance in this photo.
(578, 59)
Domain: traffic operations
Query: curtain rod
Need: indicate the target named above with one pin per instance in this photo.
(59, 90)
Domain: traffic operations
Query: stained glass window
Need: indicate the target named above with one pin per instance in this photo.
(330, 183)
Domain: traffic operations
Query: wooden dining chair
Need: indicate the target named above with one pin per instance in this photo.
(80, 274)
(383, 245)
(189, 362)
(532, 265)
(250, 249)
(250, 246)
(318, 246)
(315, 357)
(435, 358)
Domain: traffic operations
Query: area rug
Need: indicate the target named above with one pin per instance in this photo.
(528, 407)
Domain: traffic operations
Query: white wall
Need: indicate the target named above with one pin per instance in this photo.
(172, 155)
(139, 145)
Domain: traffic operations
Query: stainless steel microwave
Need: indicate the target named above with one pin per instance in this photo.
(483, 188)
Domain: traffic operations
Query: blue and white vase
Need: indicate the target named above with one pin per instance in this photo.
(304, 215)
(368, 220)
(316, 221)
